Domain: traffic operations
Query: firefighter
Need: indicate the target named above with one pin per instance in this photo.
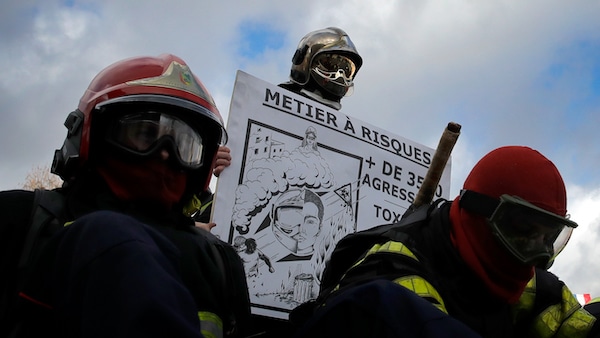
(324, 66)
(323, 69)
(128, 262)
(474, 266)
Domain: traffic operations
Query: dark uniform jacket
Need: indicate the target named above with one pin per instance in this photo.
(209, 269)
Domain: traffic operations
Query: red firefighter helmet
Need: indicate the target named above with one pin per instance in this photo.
(165, 82)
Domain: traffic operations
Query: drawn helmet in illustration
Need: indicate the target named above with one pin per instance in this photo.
(157, 97)
(310, 132)
(310, 138)
(329, 57)
(296, 220)
(239, 243)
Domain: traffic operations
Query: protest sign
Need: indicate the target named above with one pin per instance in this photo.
(304, 175)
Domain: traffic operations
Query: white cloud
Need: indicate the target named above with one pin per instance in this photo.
(576, 264)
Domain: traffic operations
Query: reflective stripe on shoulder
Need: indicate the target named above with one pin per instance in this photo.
(566, 320)
(423, 288)
(393, 247)
(390, 246)
(211, 325)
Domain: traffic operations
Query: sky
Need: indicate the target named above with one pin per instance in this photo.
(510, 72)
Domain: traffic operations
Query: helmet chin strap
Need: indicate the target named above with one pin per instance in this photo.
(317, 97)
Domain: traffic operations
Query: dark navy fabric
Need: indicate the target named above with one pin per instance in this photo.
(594, 309)
(121, 273)
(381, 308)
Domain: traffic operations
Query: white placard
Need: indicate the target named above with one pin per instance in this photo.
(304, 175)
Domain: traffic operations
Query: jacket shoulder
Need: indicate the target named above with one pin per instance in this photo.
(15, 208)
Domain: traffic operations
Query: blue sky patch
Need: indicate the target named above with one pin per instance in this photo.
(571, 83)
(582, 56)
(596, 80)
(256, 37)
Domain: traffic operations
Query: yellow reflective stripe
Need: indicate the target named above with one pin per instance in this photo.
(68, 223)
(567, 319)
(578, 325)
(525, 305)
(391, 246)
(192, 206)
(205, 206)
(423, 288)
(210, 324)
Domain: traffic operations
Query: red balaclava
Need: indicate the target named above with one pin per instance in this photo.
(153, 181)
(513, 170)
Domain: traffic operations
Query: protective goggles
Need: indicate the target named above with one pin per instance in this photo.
(143, 133)
(334, 66)
(531, 234)
(288, 217)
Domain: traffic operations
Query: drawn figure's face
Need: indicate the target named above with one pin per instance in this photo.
(308, 232)
(311, 139)
(297, 227)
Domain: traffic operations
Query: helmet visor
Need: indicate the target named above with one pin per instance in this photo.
(142, 133)
(335, 67)
(288, 218)
(532, 234)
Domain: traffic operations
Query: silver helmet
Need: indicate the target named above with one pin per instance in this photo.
(330, 58)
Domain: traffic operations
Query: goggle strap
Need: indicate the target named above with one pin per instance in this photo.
(480, 204)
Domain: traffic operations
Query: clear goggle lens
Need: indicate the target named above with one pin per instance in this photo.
(142, 133)
(334, 67)
(532, 234)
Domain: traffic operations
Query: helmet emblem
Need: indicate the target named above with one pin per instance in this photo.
(186, 78)
(177, 76)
